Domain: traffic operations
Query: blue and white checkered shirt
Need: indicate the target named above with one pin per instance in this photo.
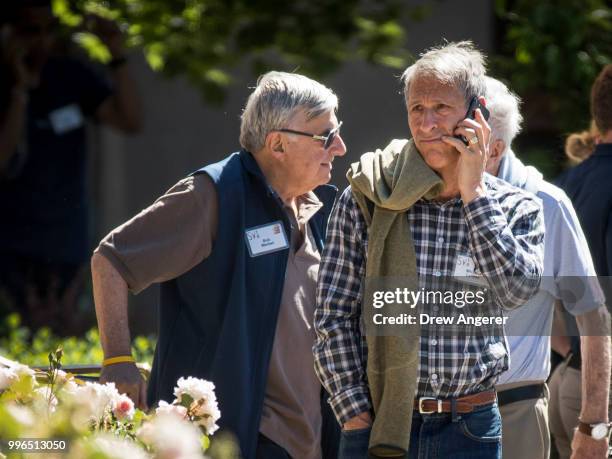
(503, 231)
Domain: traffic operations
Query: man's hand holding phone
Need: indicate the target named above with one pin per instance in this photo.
(474, 152)
(474, 104)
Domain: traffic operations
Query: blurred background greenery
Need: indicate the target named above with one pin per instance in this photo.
(19, 343)
(205, 39)
(548, 51)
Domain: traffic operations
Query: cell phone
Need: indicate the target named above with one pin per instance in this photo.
(471, 113)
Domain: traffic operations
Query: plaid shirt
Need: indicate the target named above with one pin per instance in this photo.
(504, 233)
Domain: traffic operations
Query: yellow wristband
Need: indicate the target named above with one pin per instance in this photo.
(118, 359)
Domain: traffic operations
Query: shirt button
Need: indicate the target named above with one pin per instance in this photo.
(437, 273)
(434, 377)
(440, 240)
(434, 342)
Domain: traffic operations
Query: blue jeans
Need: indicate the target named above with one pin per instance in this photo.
(476, 435)
(267, 449)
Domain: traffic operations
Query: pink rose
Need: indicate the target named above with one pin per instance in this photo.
(123, 407)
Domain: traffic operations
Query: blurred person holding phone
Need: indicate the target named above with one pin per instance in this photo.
(47, 97)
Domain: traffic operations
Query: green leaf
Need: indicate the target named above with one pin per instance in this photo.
(61, 9)
(205, 442)
(94, 46)
(186, 400)
(218, 77)
(155, 56)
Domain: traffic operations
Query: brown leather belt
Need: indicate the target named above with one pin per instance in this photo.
(465, 404)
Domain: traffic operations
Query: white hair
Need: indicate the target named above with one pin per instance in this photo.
(506, 118)
(458, 64)
(277, 98)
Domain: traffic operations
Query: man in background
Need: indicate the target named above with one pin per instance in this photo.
(46, 99)
(589, 187)
(522, 392)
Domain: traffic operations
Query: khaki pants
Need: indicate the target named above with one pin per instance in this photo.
(565, 405)
(525, 431)
(565, 402)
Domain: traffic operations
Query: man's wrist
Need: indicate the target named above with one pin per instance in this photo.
(127, 358)
(350, 403)
(594, 411)
(595, 430)
(121, 348)
(472, 194)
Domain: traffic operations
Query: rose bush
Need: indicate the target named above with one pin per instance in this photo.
(97, 421)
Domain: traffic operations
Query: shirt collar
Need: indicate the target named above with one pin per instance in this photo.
(307, 205)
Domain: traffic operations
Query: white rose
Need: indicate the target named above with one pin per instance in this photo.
(203, 392)
(97, 398)
(7, 377)
(177, 410)
(113, 447)
(171, 437)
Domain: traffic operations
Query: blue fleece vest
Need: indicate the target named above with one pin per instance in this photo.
(217, 321)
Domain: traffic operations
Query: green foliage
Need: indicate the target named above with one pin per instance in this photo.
(556, 48)
(33, 349)
(205, 39)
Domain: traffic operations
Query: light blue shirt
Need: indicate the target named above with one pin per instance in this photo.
(567, 260)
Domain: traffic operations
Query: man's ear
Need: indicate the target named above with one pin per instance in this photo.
(482, 100)
(274, 142)
(496, 150)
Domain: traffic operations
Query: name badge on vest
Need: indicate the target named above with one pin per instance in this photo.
(66, 119)
(266, 239)
(466, 271)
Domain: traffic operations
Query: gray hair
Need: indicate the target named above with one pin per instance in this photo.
(278, 97)
(458, 64)
(506, 118)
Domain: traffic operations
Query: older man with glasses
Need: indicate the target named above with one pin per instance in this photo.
(417, 212)
(236, 248)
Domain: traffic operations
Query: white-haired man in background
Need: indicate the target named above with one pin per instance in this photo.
(235, 247)
(522, 392)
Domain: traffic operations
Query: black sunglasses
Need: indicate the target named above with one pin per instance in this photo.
(326, 139)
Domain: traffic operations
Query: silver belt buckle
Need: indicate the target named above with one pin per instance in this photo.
(423, 411)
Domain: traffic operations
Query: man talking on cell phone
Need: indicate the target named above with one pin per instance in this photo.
(422, 210)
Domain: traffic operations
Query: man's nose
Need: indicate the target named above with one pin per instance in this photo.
(338, 148)
(428, 121)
